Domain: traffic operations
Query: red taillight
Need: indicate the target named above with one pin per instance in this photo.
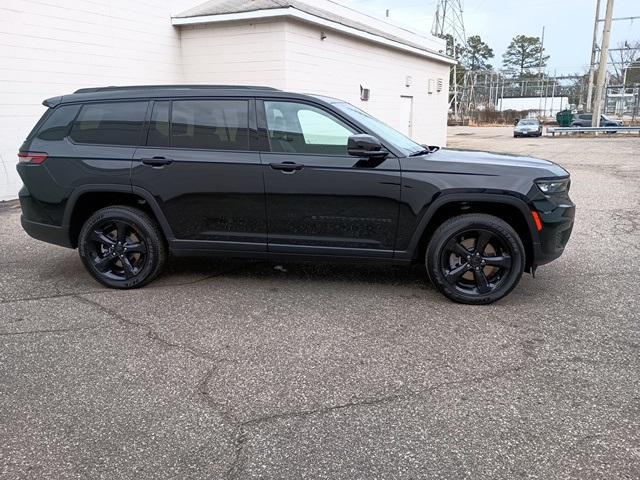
(536, 219)
(32, 158)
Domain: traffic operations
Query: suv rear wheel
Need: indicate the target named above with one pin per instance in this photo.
(122, 247)
(475, 258)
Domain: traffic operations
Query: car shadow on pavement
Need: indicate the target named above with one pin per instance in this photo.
(180, 268)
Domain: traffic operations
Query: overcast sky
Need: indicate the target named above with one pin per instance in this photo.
(568, 24)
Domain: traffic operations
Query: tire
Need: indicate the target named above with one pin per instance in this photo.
(484, 276)
(515, 135)
(122, 247)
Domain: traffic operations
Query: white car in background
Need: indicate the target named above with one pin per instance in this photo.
(528, 127)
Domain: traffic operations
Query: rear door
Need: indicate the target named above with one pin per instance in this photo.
(200, 165)
(320, 200)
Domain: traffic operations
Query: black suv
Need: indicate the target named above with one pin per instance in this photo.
(129, 174)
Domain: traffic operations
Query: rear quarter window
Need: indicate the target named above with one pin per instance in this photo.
(58, 123)
(117, 123)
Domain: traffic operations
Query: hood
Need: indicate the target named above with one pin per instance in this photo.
(484, 163)
(481, 171)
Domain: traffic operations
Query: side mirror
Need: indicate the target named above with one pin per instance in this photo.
(363, 145)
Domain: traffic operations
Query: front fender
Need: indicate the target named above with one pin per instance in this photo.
(412, 249)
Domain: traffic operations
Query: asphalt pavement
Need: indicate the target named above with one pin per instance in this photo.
(241, 369)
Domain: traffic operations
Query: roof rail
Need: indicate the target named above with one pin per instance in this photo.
(157, 87)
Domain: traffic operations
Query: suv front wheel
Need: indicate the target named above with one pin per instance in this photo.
(122, 247)
(475, 258)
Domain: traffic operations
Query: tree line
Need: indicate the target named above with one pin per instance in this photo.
(525, 56)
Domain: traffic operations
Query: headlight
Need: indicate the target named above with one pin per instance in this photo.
(550, 187)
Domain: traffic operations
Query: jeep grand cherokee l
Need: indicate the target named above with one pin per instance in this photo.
(130, 174)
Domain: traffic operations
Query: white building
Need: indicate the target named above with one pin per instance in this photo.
(544, 106)
(317, 46)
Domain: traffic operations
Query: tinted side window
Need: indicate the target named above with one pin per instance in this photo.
(299, 128)
(158, 135)
(118, 123)
(58, 123)
(210, 124)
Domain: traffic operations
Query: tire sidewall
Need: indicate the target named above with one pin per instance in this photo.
(458, 225)
(143, 226)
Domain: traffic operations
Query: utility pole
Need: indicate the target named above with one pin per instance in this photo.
(540, 71)
(602, 67)
(593, 57)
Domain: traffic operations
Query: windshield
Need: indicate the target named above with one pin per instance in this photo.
(528, 122)
(385, 133)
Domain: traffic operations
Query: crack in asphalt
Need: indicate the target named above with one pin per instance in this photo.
(53, 330)
(149, 332)
(149, 287)
(242, 434)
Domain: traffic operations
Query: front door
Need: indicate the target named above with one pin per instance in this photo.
(205, 176)
(320, 200)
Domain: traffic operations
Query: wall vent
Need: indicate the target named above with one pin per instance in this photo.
(364, 93)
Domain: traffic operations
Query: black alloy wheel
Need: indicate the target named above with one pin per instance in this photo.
(475, 258)
(117, 250)
(122, 247)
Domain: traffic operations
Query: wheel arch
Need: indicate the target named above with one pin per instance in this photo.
(511, 209)
(88, 199)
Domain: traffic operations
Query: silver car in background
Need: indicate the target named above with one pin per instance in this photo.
(528, 127)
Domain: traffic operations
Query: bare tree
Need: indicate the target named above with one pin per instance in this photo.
(622, 57)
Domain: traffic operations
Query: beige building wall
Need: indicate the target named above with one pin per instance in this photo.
(338, 64)
(239, 53)
(291, 55)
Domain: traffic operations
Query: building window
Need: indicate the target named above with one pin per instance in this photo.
(439, 85)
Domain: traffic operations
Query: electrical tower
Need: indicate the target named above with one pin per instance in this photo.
(448, 23)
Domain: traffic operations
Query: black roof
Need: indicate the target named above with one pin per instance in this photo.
(160, 91)
(164, 87)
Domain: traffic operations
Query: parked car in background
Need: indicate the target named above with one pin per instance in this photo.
(130, 174)
(584, 120)
(528, 127)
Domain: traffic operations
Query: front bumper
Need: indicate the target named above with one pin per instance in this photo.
(557, 225)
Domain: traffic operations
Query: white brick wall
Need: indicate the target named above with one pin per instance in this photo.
(49, 48)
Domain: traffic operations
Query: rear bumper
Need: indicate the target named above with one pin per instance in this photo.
(58, 235)
(41, 221)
